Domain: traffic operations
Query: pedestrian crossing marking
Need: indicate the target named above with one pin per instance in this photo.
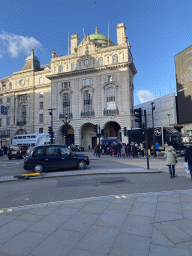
(117, 197)
(124, 196)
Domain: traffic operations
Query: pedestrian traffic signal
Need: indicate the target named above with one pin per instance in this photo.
(95, 128)
(125, 131)
(138, 116)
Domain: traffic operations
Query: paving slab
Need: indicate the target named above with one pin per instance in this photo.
(30, 217)
(169, 199)
(169, 207)
(112, 218)
(82, 221)
(61, 242)
(143, 209)
(185, 225)
(23, 243)
(64, 210)
(98, 239)
(49, 223)
(78, 252)
(94, 208)
(157, 250)
(146, 199)
(126, 244)
(172, 232)
(186, 205)
(138, 225)
(166, 216)
(160, 239)
(120, 207)
(11, 229)
(4, 219)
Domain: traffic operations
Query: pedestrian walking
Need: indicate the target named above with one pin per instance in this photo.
(171, 158)
(188, 158)
(166, 145)
(119, 146)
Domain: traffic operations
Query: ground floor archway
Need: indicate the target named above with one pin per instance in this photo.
(112, 129)
(88, 136)
(67, 135)
(20, 131)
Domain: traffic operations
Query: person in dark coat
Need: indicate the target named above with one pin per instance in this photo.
(119, 146)
(188, 158)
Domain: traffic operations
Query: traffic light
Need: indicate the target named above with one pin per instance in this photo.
(138, 116)
(95, 128)
(125, 131)
(50, 131)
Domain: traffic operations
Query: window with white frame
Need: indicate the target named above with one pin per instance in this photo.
(100, 61)
(41, 94)
(73, 66)
(66, 104)
(87, 81)
(87, 102)
(23, 113)
(41, 105)
(41, 118)
(115, 58)
(8, 121)
(23, 98)
(110, 78)
(41, 80)
(60, 68)
(65, 85)
(110, 98)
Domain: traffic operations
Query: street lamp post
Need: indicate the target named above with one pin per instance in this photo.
(66, 121)
(153, 108)
(51, 114)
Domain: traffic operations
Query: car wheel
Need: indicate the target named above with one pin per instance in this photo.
(38, 168)
(81, 165)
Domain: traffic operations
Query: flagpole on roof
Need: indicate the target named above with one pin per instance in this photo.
(68, 43)
(108, 34)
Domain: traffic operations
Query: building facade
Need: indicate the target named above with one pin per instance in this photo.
(164, 114)
(92, 85)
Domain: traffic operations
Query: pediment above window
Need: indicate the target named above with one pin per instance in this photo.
(67, 90)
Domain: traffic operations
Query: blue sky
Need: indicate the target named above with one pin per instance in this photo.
(156, 29)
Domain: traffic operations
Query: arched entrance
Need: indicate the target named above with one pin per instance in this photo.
(67, 134)
(88, 136)
(20, 131)
(112, 129)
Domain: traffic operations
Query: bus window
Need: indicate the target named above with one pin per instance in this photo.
(15, 137)
(24, 137)
(19, 137)
(33, 137)
(32, 144)
(28, 137)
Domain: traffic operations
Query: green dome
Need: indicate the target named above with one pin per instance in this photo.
(99, 37)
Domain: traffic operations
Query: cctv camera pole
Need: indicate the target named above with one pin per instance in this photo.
(51, 114)
(146, 138)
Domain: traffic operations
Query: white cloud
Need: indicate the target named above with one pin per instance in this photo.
(16, 44)
(145, 95)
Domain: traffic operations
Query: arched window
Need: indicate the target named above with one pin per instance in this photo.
(87, 102)
(66, 104)
(110, 98)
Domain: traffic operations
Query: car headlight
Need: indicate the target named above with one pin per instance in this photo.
(86, 159)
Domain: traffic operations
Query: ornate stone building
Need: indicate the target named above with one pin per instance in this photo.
(92, 85)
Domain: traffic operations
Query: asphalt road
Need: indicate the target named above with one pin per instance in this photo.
(15, 166)
(27, 192)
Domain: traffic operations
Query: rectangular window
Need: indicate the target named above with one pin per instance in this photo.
(65, 85)
(60, 68)
(100, 61)
(115, 58)
(41, 105)
(87, 81)
(23, 98)
(73, 66)
(8, 133)
(8, 121)
(41, 80)
(41, 118)
(0, 122)
(41, 94)
(8, 99)
(40, 130)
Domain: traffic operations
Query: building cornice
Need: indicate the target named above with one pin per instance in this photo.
(93, 70)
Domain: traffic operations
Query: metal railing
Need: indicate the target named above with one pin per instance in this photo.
(109, 112)
(63, 115)
(20, 123)
(87, 114)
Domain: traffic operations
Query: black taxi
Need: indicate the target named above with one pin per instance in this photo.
(53, 157)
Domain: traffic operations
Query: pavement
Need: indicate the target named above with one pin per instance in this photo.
(149, 224)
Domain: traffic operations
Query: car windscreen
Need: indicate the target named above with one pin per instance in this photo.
(14, 148)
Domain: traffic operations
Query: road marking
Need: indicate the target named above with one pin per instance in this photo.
(124, 196)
